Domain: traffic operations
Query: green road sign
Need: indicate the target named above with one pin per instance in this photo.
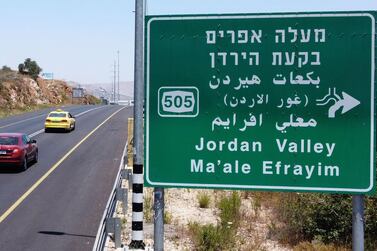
(280, 102)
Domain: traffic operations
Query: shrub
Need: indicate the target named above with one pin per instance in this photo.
(207, 237)
(148, 207)
(307, 246)
(230, 210)
(221, 236)
(204, 200)
(167, 217)
(322, 217)
(6, 68)
(370, 223)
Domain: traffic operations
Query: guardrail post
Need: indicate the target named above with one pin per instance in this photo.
(113, 226)
(122, 196)
(127, 174)
(130, 180)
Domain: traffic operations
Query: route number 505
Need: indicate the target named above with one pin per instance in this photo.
(178, 101)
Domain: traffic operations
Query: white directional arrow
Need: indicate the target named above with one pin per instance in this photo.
(348, 102)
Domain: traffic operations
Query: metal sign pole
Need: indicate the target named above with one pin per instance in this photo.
(137, 241)
(358, 222)
(159, 205)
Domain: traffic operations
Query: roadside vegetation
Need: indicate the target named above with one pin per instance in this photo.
(210, 237)
(148, 209)
(148, 205)
(263, 221)
(30, 67)
(299, 221)
(204, 200)
(309, 221)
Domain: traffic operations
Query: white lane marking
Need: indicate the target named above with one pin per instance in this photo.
(18, 122)
(36, 133)
(82, 113)
(78, 115)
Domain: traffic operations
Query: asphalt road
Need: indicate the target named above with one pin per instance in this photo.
(57, 204)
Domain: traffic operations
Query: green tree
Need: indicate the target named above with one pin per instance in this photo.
(30, 67)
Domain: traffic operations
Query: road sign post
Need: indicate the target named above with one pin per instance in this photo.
(357, 222)
(137, 240)
(280, 102)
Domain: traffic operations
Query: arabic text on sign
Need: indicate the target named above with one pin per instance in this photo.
(298, 79)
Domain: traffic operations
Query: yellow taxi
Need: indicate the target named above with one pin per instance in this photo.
(60, 119)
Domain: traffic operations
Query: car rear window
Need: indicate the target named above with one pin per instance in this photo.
(8, 140)
(57, 115)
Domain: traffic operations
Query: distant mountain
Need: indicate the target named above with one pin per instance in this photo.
(126, 89)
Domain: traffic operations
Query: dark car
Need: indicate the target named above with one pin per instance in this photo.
(17, 149)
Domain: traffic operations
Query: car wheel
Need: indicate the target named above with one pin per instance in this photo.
(35, 160)
(74, 126)
(46, 130)
(23, 166)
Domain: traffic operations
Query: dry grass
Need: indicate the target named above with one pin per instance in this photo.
(307, 246)
(148, 205)
(168, 218)
(204, 200)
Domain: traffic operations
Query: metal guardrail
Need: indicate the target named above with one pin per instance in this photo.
(101, 236)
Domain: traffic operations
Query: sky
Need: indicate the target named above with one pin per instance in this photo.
(78, 40)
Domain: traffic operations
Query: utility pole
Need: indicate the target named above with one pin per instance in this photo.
(114, 83)
(118, 77)
(137, 241)
(111, 96)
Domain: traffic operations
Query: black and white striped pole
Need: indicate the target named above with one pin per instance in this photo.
(137, 208)
(137, 239)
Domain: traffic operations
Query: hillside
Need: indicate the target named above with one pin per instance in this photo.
(19, 91)
(126, 89)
